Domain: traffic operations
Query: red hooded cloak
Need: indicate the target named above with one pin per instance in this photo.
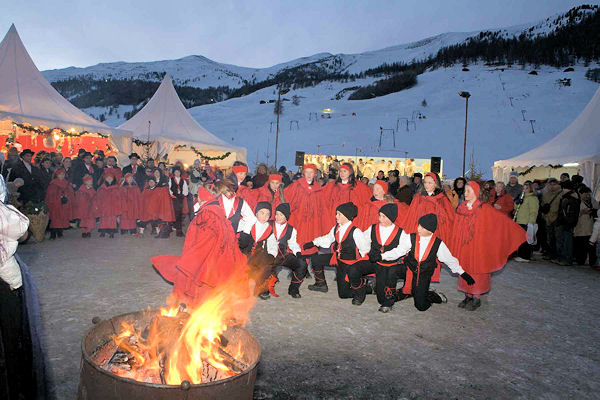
(60, 214)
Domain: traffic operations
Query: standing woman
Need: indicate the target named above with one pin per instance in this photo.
(272, 192)
(482, 238)
(178, 189)
(526, 216)
(345, 189)
(108, 200)
(59, 198)
(459, 188)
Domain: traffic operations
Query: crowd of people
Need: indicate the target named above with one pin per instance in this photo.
(371, 226)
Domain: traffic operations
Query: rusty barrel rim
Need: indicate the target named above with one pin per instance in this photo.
(88, 358)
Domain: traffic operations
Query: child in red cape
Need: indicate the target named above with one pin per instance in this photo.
(108, 202)
(210, 255)
(369, 214)
(85, 206)
(156, 209)
(130, 205)
(272, 192)
(482, 239)
(59, 197)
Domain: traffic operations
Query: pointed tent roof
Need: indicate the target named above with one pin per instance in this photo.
(167, 118)
(25, 96)
(578, 142)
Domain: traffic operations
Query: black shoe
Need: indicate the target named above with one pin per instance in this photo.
(102, 234)
(123, 231)
(385, 309)
(59, 234)
(264, 296)
(357, 302)
(88, 235)
(52, 235)
(179, 234)
(473, 305)
(84, 235)
(111, 235)
(465, 301)
(319, 287)
(308, 275)
(370, 284)
(437, 298)
(401, 296)
(295, 295)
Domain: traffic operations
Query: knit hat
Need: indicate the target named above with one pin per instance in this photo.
(204, 195)
(514, 173)
(262, 205)
(310, 166)
(383, 185)
(284, 208)
(239, 168)
(390, 210)
(475, 186)
(348, 210)
(275, 177)
(568, 185)
(429, 222)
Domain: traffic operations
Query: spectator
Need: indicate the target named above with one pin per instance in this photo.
(12, 158)
(163, 167)
(381, 176)
(85, 167)
(564, 177)
(526, 216)
(13, 193)
(577, 182)
(285, 177)
(150, 163)
(594, 243)
(44, 175)
(111, 166)
(67, 166)
(503, 202)
(22, 168)
(583, 230)
(160, 178)
(134, 169)
(404, 193)
(450, 193)
(549, 210)
(490, 188)
(417, 183)
(57, 159)
(514, 188)
(98, 172)
(195, 173)
(261, 177)
(393, 183)
(459, 187)
(568, 215)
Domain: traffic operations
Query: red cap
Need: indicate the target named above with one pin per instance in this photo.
(383, 184)
(310, 166)
(346, 167)
(475, 186)
(275, 177)
(204, 195)
(434, 176)
(240, 168)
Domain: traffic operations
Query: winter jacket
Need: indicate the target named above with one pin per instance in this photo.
(505, 202)
(595, 232)
(585, 224)
(514, 191)
(568, 211)
(554, 200)
(528, 211)
(14, 225)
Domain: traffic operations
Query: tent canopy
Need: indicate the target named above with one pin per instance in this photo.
(26, 97)
(166, 121)
(577, 146)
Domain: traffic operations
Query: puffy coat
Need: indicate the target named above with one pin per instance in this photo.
(528, 211)
(13, 225)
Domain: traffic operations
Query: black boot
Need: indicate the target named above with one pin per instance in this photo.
(59, 233)
(293, 291)
(111, 235)
(83, 235)
(264, 296)
(465, 301)
(52, 234)
(179, 233)
(473, 305)
(102, 234)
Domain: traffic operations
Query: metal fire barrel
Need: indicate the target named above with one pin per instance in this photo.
(96, 383)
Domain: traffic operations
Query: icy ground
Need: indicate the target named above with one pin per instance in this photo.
(535, 337)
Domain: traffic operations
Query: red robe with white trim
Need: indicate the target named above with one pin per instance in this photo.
(60, 214)
(307, 204)
(210, 257)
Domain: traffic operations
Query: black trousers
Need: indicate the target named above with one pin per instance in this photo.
(385, 283)
(358, 281)
(178, 209)
(298, 267)
(551, 240)
(525, 248)
(582, 250)
(320, 261)
(420, 289)
(16, 370)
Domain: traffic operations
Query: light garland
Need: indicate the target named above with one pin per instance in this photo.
(199, 153)
(59, 131)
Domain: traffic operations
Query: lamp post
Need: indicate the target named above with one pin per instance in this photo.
(279, 93)
(465, 95)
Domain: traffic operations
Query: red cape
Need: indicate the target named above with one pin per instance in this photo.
(506, 203)
(210, 257)
(60, 214)
(156, 204)
(130, 206)
(339, 193)
(369, 214)
(108, 201)
(249, 195)
(85, 204)
(438, 205)
(264, 194)
(307, 203)
(483, 238)
(116, 172)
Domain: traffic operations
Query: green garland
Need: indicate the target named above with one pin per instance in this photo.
(139, 142)
(62, 131)
(528, 170)
(199, 153)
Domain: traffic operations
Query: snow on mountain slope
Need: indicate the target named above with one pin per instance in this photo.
(496, 130)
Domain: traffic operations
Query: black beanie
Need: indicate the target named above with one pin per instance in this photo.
(262, 204)
(567, 185)
(284, 208)
(348, 210)
(390, 210)
(429, 222)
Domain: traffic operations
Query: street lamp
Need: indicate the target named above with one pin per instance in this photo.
(465, 95)
(279, 93)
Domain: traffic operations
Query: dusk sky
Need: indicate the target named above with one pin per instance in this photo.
(249, 33)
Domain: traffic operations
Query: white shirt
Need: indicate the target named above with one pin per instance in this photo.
(248, 218)
(259, 229)
(384, 233)
(443, 254)
(184, 189)
(292, 243)
(358, 236)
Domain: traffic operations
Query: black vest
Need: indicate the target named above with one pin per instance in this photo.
(237, 214)
(377, 247)
(429, 264)
(348, 250)
(262, 243)
(177, 189)
(283, 240)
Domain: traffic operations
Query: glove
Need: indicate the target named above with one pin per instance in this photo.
(244, 240)
(374, 256)
(63, 199)
(468, 278)
(308, 246)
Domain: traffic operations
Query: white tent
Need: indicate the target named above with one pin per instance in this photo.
(166, 122)
(576, 148)
(26, 97)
